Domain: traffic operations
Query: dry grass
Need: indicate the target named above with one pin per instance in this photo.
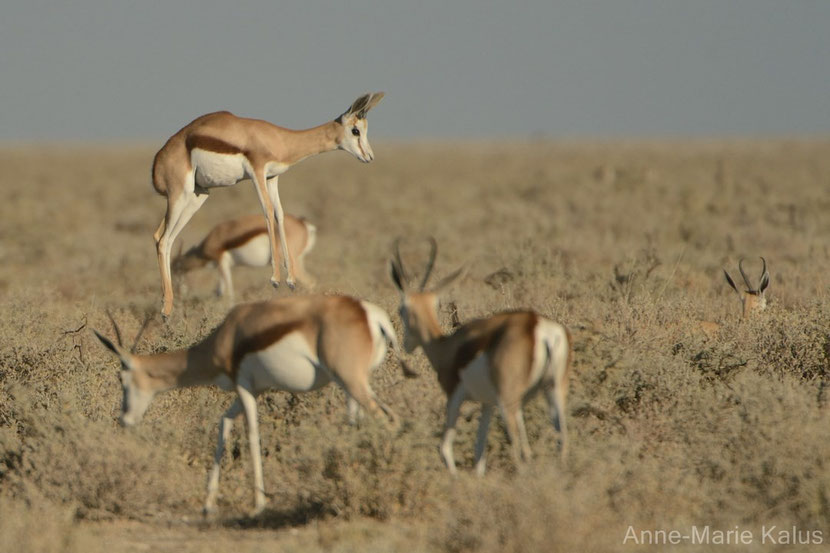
(622, 242)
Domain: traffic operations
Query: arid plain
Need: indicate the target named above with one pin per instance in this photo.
(624, 242)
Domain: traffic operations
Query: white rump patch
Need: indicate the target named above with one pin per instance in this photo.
(555, 335)
(376, 318)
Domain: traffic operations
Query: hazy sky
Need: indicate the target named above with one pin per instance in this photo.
(104, 69)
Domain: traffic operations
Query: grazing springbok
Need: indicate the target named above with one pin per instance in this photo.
(244, 241)
(752, 299)
(297, 344)
(499, 361)
(221, 149)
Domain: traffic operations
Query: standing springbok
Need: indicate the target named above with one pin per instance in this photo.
(221, 149)
(297, 344)
(499, 361)
(244, 241)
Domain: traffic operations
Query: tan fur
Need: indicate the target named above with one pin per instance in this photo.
(237, 232)
(332, 324)
(752, 304)
(339, 332)
(753, 298)
(507, 342)
(267, 150)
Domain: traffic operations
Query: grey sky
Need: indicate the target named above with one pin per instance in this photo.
(99, 69)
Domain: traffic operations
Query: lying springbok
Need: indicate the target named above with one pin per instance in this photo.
(244, 241)
(499, 361)
(752, 299)
(296, 344)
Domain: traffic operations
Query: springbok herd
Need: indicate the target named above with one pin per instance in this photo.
(301, 343)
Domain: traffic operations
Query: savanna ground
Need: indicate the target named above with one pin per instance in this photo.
(623, 242)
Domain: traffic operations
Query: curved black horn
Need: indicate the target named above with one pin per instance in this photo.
(147, 318)
(396, 250)
(743, 274)
(433, 250)
(763, 283)
(115, 327)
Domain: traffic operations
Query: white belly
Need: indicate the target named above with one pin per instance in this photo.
(214, 169)
(253, 253)
(287, 365)
(477, 381)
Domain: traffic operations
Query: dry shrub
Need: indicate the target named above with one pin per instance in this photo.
(776, 343)
(321, 468)
(37, 525)
(101, 470)
(375, 475)
(625, 243)
(795, 343)
(528, 512)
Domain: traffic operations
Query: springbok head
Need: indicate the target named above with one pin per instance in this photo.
(136, 397)
(752, 299)
(419, 307)
(188, 261)
(355, 132)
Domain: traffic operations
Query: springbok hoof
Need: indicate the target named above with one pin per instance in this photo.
(291, 284)
(275, 282)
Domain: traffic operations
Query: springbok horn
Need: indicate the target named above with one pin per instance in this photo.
(399, 262)
(433, 250)
(147, 318)
(115, 327)
(743, 274)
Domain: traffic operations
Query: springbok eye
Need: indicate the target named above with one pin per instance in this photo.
(355, 131)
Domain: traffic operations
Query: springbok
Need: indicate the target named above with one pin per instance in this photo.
(244, 241)
(221, 149)
(752, 299)
(499, 361)
(296, 344)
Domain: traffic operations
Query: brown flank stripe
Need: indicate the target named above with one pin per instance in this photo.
(470, 349)
(210, 144)
(262, 340)
(243, 238)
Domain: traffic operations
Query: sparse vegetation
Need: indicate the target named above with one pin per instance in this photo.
(624, 243)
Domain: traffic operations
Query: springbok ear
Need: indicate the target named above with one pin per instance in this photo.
(764, 283)
(449, 279)
(358, 105)
(364, 104)
(106, 341)
(731, 282)
(122, 355)
(374, 99)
